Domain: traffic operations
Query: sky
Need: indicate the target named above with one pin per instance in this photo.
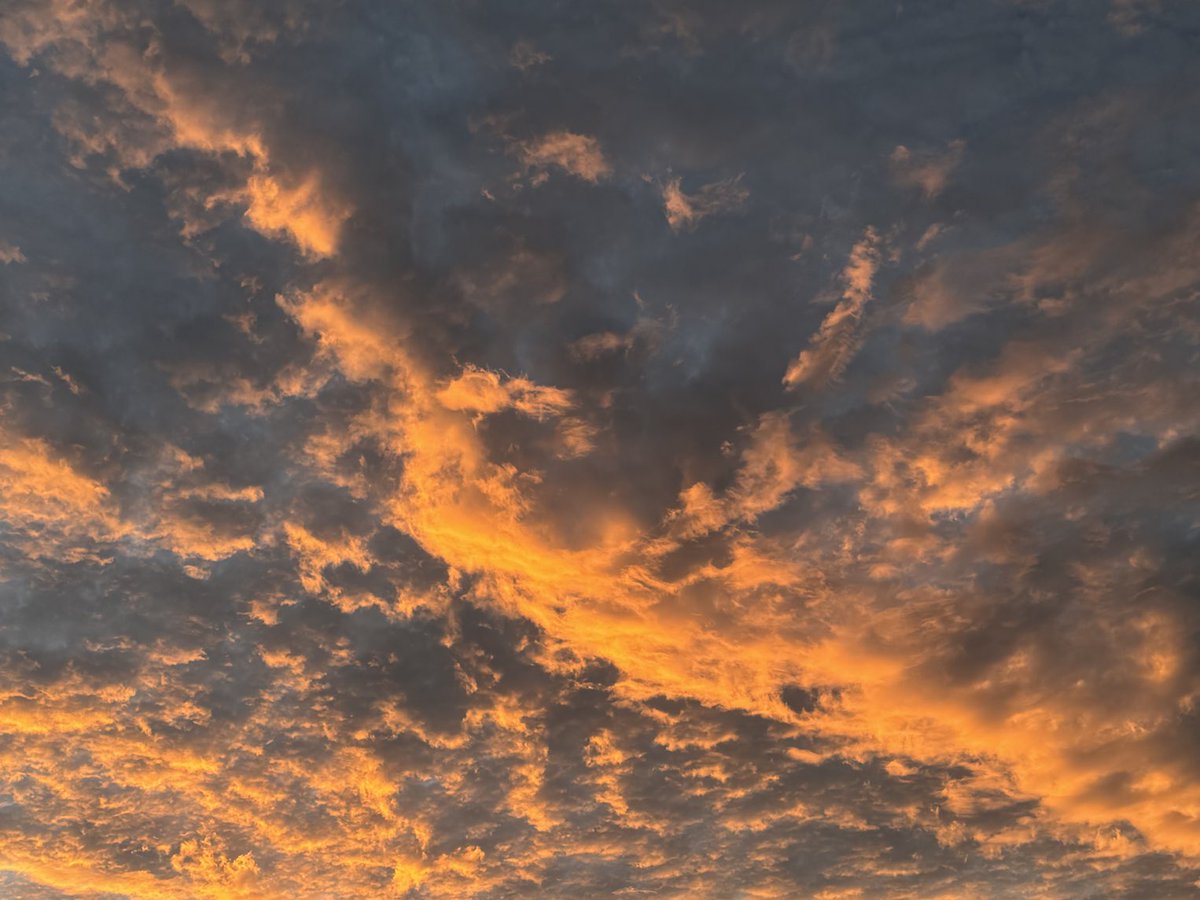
(668, 448)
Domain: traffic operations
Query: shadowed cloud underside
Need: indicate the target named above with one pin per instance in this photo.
(581, 450)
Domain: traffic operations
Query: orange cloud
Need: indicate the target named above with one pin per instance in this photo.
(578, 154)
(302, 213)
(483, 518)
(684, 211)
(86, 42)
(832, 347)
(669, 681)
(483, 392)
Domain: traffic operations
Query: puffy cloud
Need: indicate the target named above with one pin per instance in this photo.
(99, 45)
(483, 392)
(374, 524)
(48, 504)
(300, 213)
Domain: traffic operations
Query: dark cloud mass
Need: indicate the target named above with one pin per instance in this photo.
(687, 449)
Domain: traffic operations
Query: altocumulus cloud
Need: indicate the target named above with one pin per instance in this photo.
(474, 450)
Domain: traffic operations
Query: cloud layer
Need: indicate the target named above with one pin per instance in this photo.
(667, 448)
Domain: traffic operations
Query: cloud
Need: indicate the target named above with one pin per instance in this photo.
(484, 392)
(300, 213)
(929, 171)
(578, 154)
(774, 463)
(524, 55)
(181, 111)
(685, 211)
(10, 253)
(837, 338)
(372, 523)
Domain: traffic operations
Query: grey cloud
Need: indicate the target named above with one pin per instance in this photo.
(1012, 410)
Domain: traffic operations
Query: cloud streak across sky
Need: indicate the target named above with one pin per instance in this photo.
(669, 448)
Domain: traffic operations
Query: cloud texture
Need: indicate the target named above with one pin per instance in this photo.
(689, 449)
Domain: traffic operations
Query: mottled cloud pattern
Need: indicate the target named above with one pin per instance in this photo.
(678, 448)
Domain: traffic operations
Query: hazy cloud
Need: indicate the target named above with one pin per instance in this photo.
(392, 504)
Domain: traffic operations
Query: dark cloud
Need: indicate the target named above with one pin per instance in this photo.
(678, 448)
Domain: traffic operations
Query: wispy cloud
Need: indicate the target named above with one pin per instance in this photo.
(391, 504)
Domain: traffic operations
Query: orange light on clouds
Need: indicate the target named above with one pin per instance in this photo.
(460, 453)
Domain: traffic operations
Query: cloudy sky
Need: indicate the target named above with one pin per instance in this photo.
(681, 448)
